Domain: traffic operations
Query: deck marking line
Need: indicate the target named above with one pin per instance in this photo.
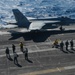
(44, 71)
(50, 70)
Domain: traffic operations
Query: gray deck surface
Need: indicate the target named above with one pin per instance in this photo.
(46, 60)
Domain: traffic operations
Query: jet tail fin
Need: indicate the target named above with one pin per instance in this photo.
(22, 21)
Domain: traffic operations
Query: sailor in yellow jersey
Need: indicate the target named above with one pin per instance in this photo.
(55, 43)
(21, 46)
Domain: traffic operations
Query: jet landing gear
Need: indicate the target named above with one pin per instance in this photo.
(61, 28)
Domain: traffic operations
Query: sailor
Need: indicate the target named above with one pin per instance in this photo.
(15, 58)
(13, 48)
(71, 44)
(55, 44)
(21, 46)
(61, 45)
(7, 53)
(67, 43)
(26, 53)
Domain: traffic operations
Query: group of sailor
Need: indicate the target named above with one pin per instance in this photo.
(25, 52)
(56, 44)
(61, 45)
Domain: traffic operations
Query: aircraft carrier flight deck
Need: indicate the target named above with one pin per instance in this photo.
(43, 59)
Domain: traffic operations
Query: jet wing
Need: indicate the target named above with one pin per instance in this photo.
(37, 25)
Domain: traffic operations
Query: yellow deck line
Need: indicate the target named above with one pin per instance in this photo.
(58, 69)
(44, 71)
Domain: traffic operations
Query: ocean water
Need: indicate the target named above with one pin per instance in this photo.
(37, 8)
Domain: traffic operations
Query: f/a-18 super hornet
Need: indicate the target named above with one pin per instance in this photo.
(38, 24)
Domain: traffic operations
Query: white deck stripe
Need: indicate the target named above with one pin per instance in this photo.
(31, 51)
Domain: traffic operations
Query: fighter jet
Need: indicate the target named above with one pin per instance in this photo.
(38, 24)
